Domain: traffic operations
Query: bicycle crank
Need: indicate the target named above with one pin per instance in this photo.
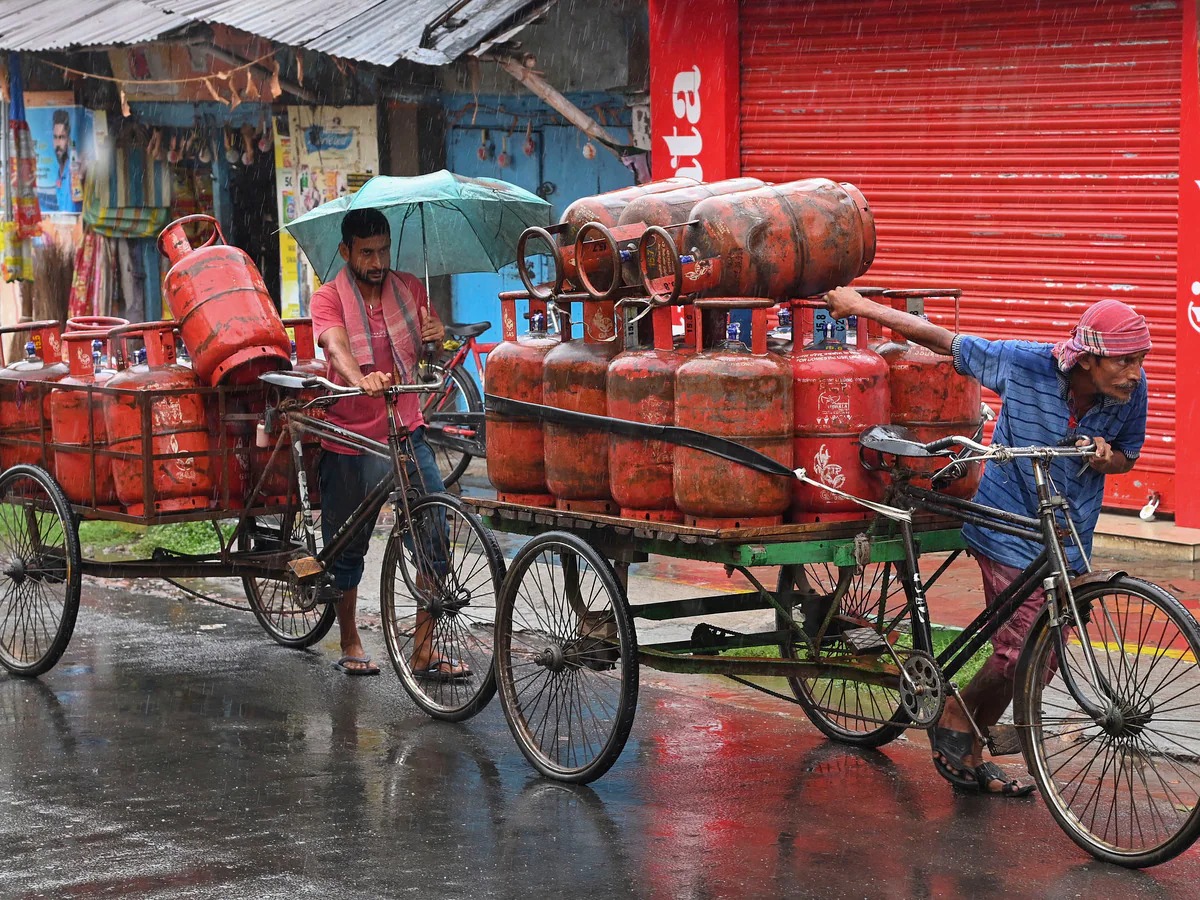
(922, 689)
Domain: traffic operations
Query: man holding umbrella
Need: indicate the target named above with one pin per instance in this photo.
(371, 321)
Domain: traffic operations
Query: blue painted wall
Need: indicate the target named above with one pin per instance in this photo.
(557, 166)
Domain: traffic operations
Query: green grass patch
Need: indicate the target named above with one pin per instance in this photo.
(100, 537)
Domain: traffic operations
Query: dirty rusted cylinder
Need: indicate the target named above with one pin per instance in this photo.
(790, 240)
(933, 401)
(25, 433)
(575, 377)
(840, 390)
(598, 246)
(226, 317)
(515, 447)
(743, 394)
(156, 411)
(559, 240)
(607, 208)
(81, 467)
(641, 388)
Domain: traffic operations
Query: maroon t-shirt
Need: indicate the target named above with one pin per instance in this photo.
(364, 415)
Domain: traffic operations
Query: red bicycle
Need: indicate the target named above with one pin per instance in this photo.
(454, 416)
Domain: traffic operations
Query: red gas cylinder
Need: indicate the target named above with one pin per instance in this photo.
(641, 388)
(932, 400)
(789, 240)
(840, 390)
(226, 317)
(575, 377)
(515, 448)
(77, 416)
(743, 394)
(95, 323)
(156, 412)
(559, 240)
(25, 399)
(599, 248)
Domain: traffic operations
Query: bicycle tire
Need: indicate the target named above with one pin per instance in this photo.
(843, 709)
(460, 604)
(39, 552)
(1146, 645)
(566, 658)
(460, 390)
(288, 614)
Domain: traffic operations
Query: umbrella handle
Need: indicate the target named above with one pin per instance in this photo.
(173, 241)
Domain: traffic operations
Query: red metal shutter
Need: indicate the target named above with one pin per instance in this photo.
(1027, 152)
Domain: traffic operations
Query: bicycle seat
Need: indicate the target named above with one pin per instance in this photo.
(474, 329)
(894, 440)
(285, 380)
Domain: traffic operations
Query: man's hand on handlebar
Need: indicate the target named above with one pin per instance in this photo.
(375, 383)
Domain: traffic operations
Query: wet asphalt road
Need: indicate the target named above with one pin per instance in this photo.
(165, 757)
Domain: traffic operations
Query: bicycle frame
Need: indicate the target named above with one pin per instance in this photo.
(396, 486)
(1050, 570)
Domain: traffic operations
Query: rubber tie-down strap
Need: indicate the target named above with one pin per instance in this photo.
(671, 434)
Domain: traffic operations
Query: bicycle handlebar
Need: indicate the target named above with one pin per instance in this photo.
(1001, 453)
(392, 391)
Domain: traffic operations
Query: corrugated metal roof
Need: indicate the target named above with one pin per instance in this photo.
(381, 32)
(38, 25)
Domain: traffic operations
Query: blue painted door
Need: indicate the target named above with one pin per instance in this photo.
(474, 296)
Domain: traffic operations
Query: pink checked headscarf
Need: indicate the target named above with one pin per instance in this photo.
(1110, 328)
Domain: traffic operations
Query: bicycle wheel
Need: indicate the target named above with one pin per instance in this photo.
(846, 710)
(442, 606)
(460, 395)
(40, 571)
(1125, 789)
(294, 616)
(566, 658)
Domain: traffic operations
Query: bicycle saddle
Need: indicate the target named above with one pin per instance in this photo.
(895, 440)
(288, 380)
(474, 329)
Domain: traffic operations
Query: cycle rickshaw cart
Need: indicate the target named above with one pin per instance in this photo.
(260, 498)
(1103, 706)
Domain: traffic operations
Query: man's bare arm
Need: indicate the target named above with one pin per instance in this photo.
(336, 344)
(845, 301)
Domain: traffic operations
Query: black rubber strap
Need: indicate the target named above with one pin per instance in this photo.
(671, 434)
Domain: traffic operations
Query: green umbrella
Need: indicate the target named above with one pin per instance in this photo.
(442, 223)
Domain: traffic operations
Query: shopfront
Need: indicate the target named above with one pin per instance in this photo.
(1027, 153)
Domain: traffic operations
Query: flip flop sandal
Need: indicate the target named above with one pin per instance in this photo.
(988, 772)
(443, 670)
(365, 668)
(953, 746)
(958, 781)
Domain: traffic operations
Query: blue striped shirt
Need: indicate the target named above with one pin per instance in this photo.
(1035, 413)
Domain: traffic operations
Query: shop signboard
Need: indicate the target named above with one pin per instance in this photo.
(694, 89)
(1187, 385)
(321, 153)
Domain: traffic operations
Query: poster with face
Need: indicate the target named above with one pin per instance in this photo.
(62, 138)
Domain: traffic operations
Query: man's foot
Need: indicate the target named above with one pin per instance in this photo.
(993, 780)
(441, 670)
(952, 756)
(356, 665)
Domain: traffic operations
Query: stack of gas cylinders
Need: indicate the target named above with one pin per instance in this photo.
(733, 257)
(128, 423)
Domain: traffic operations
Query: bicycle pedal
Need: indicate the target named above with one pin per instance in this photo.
(862, 641)
(305, 567)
